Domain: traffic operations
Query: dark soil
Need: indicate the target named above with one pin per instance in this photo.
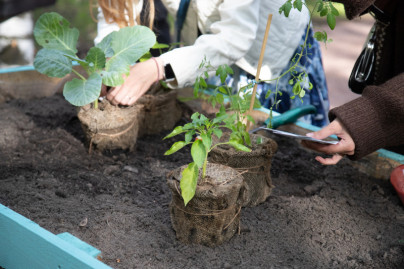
(317, 216)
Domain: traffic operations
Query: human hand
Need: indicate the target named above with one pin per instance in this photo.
(346, 145)
(142, 75)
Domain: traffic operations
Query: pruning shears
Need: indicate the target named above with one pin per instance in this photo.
(291, 116)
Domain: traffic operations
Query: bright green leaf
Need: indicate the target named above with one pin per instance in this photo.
(175, 147)
(331, 21)
(95, 58)
(189, 182)
(238, 146)
(177, 130)
(52, 63)
(207, 141)
(198, 153)
(52, 31)
(82, 92)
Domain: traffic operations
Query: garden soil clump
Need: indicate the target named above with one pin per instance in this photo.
(213, 215)
(316, 217)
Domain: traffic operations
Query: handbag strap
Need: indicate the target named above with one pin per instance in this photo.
(181, 14)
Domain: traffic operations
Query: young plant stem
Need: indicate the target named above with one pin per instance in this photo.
(205, 163)
(78, 74)
(296, 62)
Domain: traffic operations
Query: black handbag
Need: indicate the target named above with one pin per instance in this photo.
(363, 71)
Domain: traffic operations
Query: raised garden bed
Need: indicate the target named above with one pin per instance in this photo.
(316, 217)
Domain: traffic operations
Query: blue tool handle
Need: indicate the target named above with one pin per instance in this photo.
(290, 116)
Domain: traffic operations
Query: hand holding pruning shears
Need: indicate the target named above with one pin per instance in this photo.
(345, 146)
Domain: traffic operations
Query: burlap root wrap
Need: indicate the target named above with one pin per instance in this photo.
(161, 112)
(213, 215)
(111, 127)
(255, 166)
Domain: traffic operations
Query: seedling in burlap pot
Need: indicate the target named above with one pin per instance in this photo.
(255, 165)
(106, 126)
(206, 204)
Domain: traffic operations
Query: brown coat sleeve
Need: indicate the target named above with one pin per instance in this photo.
(376, 119)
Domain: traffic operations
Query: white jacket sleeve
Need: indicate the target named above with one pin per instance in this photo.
(225, 42)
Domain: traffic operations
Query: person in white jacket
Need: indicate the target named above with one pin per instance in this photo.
(223, 32)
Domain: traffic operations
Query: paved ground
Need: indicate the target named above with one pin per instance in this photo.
(339, 56)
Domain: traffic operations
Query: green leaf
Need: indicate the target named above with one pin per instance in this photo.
(52, 31)
(229, 70)
(324, 12)
(207, 141)
(334, 11)
(218, 132)
(105, 45)
(188, 136)
(188, 182)
(331, 21)
(203, 83)
(286, 8)
(220, 99)
(198, 153)
(298, 4)
(129, 44)
(52, 63)
(82, 92)
(115, 77)
(160, 46)
(238, 146)
(177, 130)
(302, 93)
(175, 147)
(95, 59)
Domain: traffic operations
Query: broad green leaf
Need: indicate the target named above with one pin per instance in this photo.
(82, 92)
(52, 31)
(218, 133)
(175, 147)
(188, 182)
(105, 45)
(52, 63)
(115, 77)
(238, 146)
(198, 153)
(207, 141)
(177, 130)
(129, 44)
(95, 59)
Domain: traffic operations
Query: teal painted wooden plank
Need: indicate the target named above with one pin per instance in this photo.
(24, 244)
(87, 248)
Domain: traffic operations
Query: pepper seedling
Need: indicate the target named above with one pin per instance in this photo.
(203, 129)
(106, 63)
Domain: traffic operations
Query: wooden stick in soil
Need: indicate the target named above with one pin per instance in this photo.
(257, 75)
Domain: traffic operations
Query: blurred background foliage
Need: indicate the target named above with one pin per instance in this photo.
(77, 12)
